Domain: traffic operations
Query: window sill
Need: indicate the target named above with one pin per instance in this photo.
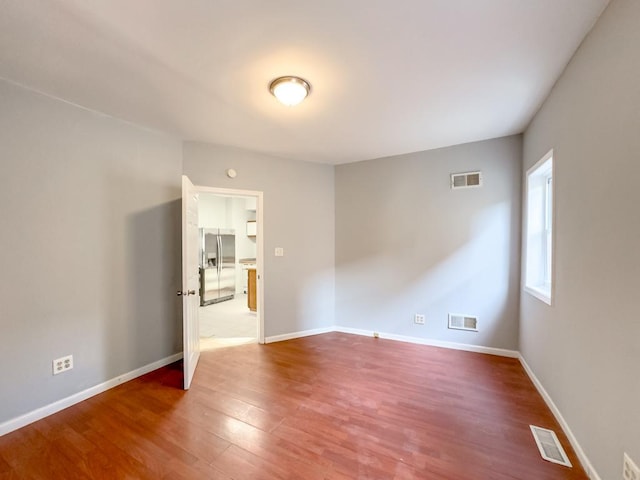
(539, 293)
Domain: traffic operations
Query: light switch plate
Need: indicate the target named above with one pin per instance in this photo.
(279, 252)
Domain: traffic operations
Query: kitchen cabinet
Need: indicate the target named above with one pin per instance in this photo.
(251, 228)
(252, 300)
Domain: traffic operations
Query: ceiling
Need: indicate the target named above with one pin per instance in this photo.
(387, 76)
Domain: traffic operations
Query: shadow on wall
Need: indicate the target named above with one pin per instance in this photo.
(144, 314)
(156, 246)
(436, 276)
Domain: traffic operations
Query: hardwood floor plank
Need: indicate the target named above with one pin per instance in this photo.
(243, 465)
(236, 408)
(199, 470)
(187, 442)
(5, 468)
(331, 406)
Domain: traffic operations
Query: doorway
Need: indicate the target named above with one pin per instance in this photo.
(230, 261)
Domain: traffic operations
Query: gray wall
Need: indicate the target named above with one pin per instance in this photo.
(298, 216)
(406, 243)
(585, 349)
(90, 248)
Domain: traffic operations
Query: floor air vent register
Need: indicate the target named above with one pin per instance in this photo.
(549, 446)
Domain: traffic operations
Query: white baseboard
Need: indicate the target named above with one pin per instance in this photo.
(586, 464)
(35, 415)
(433, 343)
(400, 338)
(304, 333)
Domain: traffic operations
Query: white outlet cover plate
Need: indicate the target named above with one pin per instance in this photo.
(62, 364)
(279, 252)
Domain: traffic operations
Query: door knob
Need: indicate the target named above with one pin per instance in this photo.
(188, 292)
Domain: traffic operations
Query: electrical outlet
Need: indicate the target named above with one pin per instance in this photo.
(418, 319)
(62, 364)
(630, 470)
(279, 252)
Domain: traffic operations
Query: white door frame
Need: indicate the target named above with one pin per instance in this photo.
(259, 244)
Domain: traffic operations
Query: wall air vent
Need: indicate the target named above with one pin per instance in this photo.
(463, 322)
(466, 180)
(549, 446)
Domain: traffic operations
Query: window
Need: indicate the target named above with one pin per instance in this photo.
(539, 229)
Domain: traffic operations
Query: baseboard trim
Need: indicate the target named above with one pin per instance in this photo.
(502, 352)
(584, 460)
(303, 333)
(40, 413)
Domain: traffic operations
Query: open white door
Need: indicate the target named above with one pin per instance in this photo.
(190, 282)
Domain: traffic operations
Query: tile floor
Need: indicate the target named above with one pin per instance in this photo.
(227, 323)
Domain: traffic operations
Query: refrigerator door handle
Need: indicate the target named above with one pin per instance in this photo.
(219, 239)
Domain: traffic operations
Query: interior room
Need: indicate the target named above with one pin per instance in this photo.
(444, 239)
(227, 227)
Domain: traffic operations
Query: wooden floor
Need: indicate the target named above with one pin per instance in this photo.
(331, 406)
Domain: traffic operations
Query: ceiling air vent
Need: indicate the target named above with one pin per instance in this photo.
(463, 322)
(549, 446)
(466, 180)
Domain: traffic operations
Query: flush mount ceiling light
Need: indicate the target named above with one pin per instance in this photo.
(289, 90)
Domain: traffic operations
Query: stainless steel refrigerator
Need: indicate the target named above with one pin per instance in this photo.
(217, 265)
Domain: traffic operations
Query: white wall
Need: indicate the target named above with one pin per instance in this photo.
(245, 246)
(299, 208)
(406, 243)
(212, 211)
(90, 249)
(585, 348)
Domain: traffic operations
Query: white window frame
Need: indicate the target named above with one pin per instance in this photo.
(539, 224)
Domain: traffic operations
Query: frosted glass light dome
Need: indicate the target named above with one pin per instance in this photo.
(289, 90)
